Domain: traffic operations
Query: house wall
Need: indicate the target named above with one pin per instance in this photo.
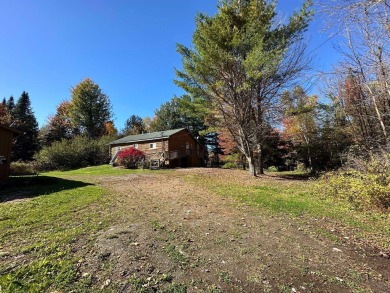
(188, 157)
(179, 141)
(5, 150)
(142, 146)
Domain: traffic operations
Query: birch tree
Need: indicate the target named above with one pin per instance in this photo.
(364, 73)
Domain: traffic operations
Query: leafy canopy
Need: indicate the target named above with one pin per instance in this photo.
(90, 108)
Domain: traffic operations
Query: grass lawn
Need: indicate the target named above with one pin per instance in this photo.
(98, 170)
(49, 219)
(44, 221)
(299, 198)
(49, 222)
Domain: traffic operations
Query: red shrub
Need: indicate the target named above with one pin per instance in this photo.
(130, 157)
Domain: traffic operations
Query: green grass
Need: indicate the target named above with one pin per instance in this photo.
(175, 254)
(292, 197)
(97, 170)
(295, 198)
(38, 232)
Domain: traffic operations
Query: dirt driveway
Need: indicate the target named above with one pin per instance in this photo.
(173, 236)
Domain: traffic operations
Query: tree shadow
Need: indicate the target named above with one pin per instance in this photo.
(292, 176)
(23, 187)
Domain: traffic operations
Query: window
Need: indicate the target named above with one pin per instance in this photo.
(135, 145)
(152, 145)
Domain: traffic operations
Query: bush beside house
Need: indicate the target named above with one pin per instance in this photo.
(130, 157)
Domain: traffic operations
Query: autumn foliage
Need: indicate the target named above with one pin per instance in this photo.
(130, 157)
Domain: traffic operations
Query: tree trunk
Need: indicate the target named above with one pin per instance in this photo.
(252, 167)
(260, 159)
(242, 159)
(378, 114)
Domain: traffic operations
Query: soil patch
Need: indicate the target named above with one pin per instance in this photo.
(172, 235)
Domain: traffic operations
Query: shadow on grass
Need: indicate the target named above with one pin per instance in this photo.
(292, 176)
(17, 188)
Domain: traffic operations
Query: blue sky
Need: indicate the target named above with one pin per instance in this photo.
(127, 47)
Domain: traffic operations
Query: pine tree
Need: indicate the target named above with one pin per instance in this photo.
(181, 112)
(241, 60)
(27, 144)
(167, 117)
(10, 104)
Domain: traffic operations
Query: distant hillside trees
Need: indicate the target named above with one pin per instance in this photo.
(241, 60)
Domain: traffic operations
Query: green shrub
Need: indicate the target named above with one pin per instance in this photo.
(231, 161)
(302, 168)
(365, 183)
(272, 169)
(230, 165)
(75, 153)
(363, 191)
(23, 168)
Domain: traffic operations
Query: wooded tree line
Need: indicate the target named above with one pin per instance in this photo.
(245, 99)
(88, 113)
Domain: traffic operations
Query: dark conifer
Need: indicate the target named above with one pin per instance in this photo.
(23, 119)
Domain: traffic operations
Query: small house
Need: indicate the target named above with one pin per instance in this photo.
(170, 148)
(6, 136)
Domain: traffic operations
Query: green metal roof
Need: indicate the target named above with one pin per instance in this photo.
(147, 136)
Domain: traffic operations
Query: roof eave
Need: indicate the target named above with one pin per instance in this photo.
(15, 131)
(139, 140)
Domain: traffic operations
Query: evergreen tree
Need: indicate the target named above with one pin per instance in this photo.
(167, 117)
(90, 108)
(241, 60)
(10, 104)
(181, 112)
(27, 144)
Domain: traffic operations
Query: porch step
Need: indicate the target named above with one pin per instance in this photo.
(112, 162)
